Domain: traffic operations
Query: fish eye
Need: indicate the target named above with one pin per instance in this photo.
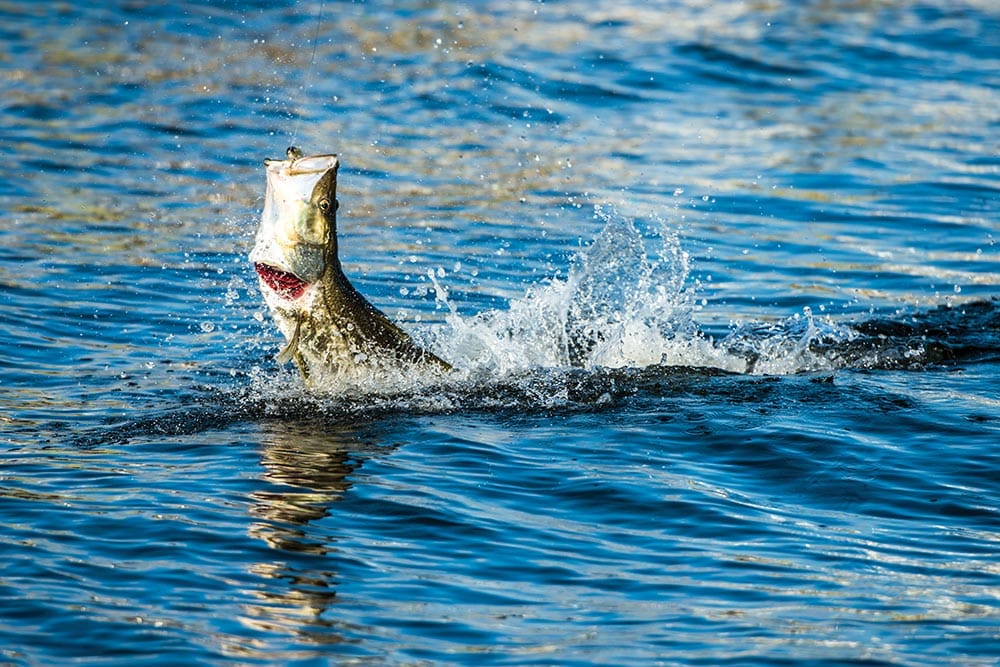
(324, 205)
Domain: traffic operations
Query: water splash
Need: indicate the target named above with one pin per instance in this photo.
(623, 304)
(800, 343)
(624, 308)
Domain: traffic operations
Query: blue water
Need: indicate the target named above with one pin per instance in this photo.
(775, 224)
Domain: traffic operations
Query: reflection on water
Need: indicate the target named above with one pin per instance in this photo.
(310, 471)
(306, 467)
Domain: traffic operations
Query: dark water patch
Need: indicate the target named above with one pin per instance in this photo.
(36, 112)
(964, 30)
(981, 194)
(552, 84)
(985, 160)
(736, 64)
(966, 333)
(170, 423)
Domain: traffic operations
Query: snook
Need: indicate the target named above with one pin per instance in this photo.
(332, 330)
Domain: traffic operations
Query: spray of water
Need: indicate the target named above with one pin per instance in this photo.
(623, 304)
(623, 311)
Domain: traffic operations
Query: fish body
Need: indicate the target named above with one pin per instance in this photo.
(332, 330)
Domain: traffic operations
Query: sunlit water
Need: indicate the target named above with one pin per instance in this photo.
(718, 278)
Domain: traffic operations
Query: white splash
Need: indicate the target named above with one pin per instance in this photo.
(799, 344)
(623, 304)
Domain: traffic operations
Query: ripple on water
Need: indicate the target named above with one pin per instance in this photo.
(772, 440)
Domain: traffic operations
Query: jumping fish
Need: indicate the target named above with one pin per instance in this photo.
(332, 330)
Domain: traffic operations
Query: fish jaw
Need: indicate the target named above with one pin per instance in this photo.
(285, 284)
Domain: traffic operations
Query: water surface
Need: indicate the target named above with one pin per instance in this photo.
(775, 223)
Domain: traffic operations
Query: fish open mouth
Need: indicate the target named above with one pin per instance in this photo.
(287, 285)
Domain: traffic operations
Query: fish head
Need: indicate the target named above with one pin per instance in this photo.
(297, 239)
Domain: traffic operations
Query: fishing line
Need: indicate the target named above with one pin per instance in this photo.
(309, 68)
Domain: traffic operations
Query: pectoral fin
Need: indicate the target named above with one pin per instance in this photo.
(291, 350)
